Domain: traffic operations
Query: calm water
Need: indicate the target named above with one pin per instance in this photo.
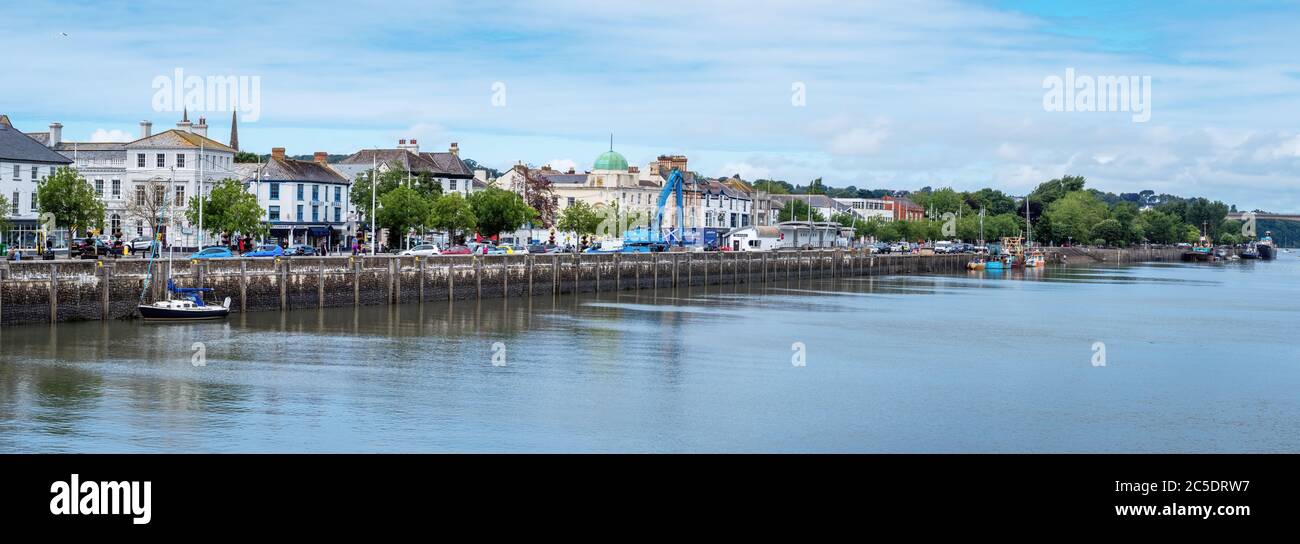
(1199, 358)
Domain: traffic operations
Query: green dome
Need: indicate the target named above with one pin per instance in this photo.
(610, 160)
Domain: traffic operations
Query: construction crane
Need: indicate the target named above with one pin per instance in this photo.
(639, 240)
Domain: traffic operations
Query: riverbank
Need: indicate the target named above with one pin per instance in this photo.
(53, 291)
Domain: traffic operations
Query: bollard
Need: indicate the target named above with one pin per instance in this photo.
(320, 284)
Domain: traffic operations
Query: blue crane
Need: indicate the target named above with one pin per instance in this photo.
(637, 239)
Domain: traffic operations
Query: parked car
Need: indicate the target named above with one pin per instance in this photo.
(300, 250)
(140, 243)
(457, 250)
(542, 248)
(900, 247)
(265, 250)
(215, 252)
(503, 249)
(89, 248)
(518, 249)
(423, 250)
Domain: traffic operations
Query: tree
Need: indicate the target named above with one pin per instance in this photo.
(1051, 190)
(537, 192)
(499, 210)
(797, 210)
(580, 218)
(401, 209)
(4, 214)
(942, 201)
(71, 199)
(1074, 215)
(453, 214)
(229, 209)
(993, 201)
(150, 205)
(1111, 231)
(1161, 227)
(423, 183)
(851, 220)
(774, 187)
(246, 157)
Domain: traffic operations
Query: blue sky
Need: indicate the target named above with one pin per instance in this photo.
(898, 95)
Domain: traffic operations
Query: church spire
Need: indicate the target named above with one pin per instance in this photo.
(185, 115)
(234, 132)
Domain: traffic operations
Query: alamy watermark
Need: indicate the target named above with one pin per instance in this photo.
(208, 93)
(1099, 94)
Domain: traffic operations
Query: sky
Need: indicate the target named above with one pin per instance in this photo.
(895, 95)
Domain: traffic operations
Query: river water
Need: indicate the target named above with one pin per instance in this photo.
(1143, 358)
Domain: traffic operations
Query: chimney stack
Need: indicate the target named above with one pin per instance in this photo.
(56, 133)
(277, 153)
(321, 157)
(411, 145)
(146, 129)
(455, 149)
(202, 128)
(519, 167)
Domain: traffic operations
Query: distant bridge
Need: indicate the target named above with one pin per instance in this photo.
(1240, 216)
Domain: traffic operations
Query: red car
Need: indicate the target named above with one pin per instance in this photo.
(456, 250)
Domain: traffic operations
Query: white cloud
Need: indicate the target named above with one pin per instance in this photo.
(860, 141)
(110, 135)
(746, 170)
(563, 165)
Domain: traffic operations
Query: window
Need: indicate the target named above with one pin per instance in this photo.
(299, 210)
(35, 172)
(453, 184)
(13, 206)
(33, 201)
(338, 214)
(315, 192)
(338, 192)
(139, 196)
(17, 173)
(180, 160)
(300, 193)
(275, 191)
(99, 188)
(139, 224)
(180, 196)
(570, 201)
(273, 212)
(159, 196)
(315, 213)
(162, 160)
(115, 223)
(117, 189)
(139, 160)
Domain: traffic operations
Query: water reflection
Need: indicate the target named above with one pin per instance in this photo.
(975, 361)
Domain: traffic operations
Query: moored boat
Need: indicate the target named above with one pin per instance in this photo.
(188, 306)
(1265, 248)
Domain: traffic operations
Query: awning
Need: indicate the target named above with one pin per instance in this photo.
(319, 231)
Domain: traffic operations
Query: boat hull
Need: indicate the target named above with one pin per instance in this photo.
(205, 313)
(1266, 253)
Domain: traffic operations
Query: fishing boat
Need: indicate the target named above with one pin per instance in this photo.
(1250, 252)
(1035, 259)
(187, 305)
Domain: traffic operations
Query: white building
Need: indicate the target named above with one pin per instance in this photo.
(304, 202)
(24, 162)
(869, 208)
(177, 163)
